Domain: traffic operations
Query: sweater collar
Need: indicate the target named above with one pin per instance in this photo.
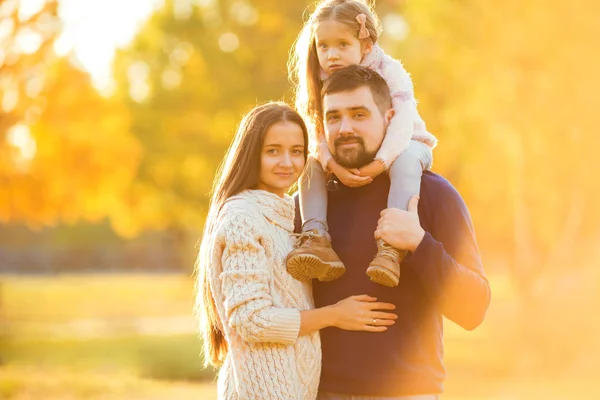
(278, 210)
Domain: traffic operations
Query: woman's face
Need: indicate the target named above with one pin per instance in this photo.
(282, 157)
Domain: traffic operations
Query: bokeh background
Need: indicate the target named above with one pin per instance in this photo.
(115, 114)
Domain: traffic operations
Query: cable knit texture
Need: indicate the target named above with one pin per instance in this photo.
(407, 124)
(259, 303)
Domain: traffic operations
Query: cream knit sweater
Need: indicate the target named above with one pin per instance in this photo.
(258, 302)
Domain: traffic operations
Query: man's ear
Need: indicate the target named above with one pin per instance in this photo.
(389, 114)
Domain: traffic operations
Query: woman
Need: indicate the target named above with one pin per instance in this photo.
(258, 322)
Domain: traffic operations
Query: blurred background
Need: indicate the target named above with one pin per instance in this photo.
(115, 114)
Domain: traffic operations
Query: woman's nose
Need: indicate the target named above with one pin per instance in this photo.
(285, 160)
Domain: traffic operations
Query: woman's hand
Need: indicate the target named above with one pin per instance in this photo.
(362, 313)
(349, 177)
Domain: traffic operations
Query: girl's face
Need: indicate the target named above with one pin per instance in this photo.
(337, 47)
(282, 157)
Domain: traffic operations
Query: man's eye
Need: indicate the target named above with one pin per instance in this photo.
(332, 119)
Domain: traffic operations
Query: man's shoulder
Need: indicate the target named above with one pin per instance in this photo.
(434, 187)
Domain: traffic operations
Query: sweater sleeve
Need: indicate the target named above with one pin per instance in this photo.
(245, 281)
(449, 264)
(406, 124)
(401, 127)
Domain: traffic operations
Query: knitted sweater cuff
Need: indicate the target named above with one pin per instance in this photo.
(285, 325)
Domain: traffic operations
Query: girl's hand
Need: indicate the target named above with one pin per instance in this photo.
(360, 313)
(372, 169)
(349, 177)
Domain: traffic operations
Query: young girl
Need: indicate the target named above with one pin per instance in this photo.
(258, 322)
(340, 33)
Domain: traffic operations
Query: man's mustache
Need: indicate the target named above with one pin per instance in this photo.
(348, 139)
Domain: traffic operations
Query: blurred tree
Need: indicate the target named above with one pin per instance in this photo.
(65, 152)
(187, 78)
(509, 90)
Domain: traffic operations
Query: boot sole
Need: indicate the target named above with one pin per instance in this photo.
(306, 267)
(382, 276)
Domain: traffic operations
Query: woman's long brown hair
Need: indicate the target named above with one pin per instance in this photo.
(239, 171)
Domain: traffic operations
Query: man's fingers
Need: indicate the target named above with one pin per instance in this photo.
(413, 204)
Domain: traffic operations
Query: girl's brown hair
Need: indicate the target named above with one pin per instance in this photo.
(303, 64)
(239, 170)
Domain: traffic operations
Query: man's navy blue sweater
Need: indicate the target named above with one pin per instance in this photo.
(444, 276)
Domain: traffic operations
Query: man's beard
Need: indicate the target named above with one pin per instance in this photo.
(356, 157)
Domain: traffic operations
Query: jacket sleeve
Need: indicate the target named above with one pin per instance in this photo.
(449, 265)
(244, 281)
(401, 127)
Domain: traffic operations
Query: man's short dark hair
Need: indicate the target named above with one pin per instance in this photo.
(356, 76)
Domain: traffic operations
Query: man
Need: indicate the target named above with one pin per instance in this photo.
(442, 276)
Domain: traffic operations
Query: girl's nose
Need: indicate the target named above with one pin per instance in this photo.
(333, 53)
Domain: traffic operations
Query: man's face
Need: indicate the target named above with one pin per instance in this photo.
(354, 126)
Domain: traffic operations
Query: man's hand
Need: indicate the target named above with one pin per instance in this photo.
(401, 229)
(373, 169)
(349, 177)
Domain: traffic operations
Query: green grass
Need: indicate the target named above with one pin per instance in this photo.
(485, 364)
(67, 297)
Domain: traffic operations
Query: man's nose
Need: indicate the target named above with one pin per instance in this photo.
(346, 126)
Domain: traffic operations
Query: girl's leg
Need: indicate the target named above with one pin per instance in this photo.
(313, 198)
(405, 182)
(405, 174)
(313, 256)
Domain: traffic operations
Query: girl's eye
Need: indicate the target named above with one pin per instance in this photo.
(272, 151)
(322, 46)
(332, 119)
(344, 44)
(297, 152)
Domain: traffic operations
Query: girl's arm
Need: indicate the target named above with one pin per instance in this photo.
(401, 127)
(348, 177)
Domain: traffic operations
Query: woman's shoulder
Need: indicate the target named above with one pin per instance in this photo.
(239, 212)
